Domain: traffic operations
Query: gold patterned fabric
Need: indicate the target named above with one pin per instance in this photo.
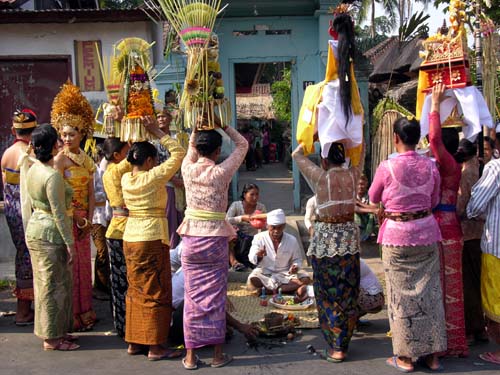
(112, 181)
(145, 192)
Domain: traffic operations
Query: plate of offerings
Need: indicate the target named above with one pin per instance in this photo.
(291, 303)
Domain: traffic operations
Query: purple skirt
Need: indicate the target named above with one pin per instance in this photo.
(205, 265)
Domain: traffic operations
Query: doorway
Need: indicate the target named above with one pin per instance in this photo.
(267, 128)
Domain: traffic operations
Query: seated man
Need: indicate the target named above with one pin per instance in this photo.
(278, 257)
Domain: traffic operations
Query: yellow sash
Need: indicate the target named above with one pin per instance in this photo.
(194, 214)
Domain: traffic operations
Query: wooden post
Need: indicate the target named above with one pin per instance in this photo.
(479, 76)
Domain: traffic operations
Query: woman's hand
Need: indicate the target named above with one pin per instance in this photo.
(118, 115)
(152, 127)
(437, 96)
(298, 150)
(246, 218)
(381, 215)
(71, 251)
(84, 225)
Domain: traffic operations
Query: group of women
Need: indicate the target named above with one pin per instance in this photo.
(60, 189)
(421, 239)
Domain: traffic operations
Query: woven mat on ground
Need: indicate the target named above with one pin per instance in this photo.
(247, 308)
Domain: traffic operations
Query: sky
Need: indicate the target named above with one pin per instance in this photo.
(435, 21)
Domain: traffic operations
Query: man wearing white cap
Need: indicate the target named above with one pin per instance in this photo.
(278, 257)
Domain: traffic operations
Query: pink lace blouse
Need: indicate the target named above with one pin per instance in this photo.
(207, 185)
(407, 183)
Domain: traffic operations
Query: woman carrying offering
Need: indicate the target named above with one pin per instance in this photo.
(444, 147)
(50, 241)
(408, 187)
(240, 214)
(145, 245)
(205, 233)
(334, 247)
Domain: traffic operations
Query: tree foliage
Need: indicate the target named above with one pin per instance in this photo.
(416, 26)
(281, 92)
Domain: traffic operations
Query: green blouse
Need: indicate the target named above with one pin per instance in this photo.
(51, 199)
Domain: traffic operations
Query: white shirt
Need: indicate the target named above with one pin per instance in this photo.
(102, 213)
(485, 198)
(177, 276)
(288, 253)
(369, 282)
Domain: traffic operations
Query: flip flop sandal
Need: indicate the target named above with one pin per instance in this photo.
(393, 362)
(422, 362)
(238, 267)
(227, 359)
(139, 350)
(71, 338)
(63, 346)
(489, 357)
(191, 367)
(331, 359)
(169, 354)
(25, 324)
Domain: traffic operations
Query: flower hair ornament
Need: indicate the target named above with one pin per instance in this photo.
(347, 7)
(71, 108)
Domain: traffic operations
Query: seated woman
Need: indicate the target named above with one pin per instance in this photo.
(278, 257)
(239, 214)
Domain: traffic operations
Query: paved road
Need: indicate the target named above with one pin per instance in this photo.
(102, 353)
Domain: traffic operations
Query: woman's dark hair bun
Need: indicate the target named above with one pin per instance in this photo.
(140, 151)
(207, 142)
(43, 140)
(408, 130)
(112, 145)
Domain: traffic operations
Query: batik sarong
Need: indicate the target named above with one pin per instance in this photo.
(370, 303)
(490, 292)
(414, 300)
(149, 294)
(101, 263)
(52, 284)
(24, 273)
(450, 250)
(205, 265)
(84, 316)
(119, 284)
(471, 273)
(336, 288)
